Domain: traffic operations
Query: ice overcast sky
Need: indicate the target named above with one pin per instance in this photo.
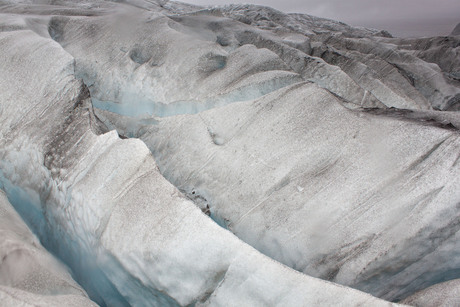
(403, 18)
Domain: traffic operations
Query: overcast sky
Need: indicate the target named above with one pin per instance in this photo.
(404, 18)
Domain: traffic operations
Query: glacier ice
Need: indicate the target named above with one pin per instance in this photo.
(28, 273)
(456, 30)
(100, 203)
(372, 187)
(328, 148)
(443, 294)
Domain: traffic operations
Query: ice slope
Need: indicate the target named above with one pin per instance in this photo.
(456, 30)
(444, 294)
(443, 51)
(368, 57)
(338, 194)
(101, 204)
(29, 275)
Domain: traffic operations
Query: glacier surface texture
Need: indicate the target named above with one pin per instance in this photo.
(157, 153)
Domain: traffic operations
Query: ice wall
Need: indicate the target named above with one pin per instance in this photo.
(28, 273)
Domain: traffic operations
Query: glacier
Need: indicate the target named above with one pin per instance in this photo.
(443, 294)
(28, 273)
(167, 154)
